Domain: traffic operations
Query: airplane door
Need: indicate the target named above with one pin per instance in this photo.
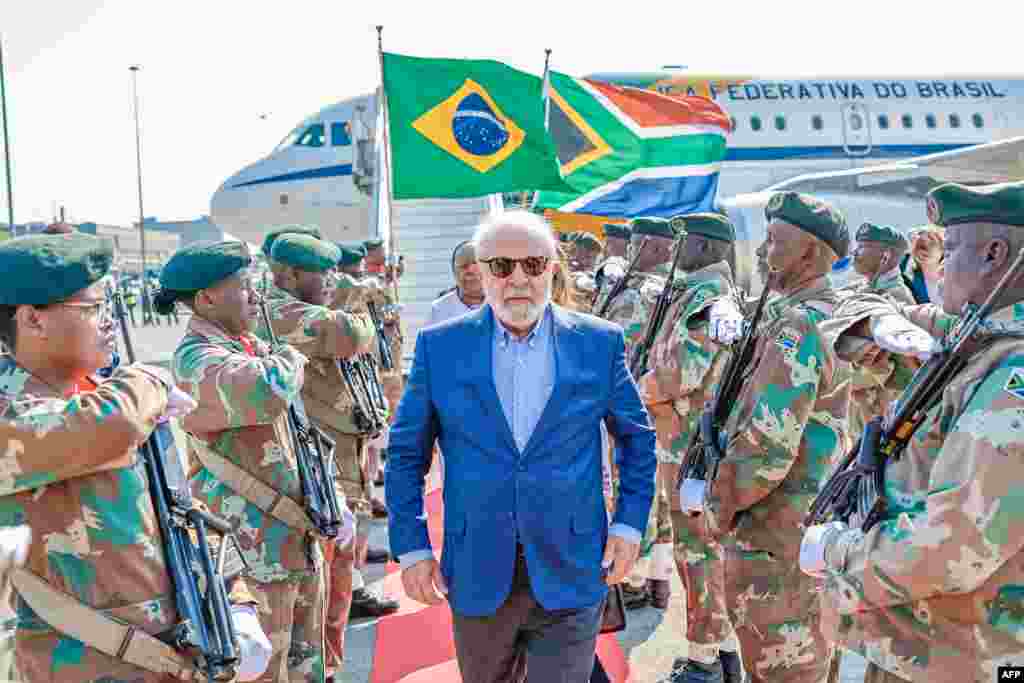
(856, 130)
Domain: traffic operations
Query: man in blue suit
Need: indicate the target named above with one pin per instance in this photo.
(515, 393)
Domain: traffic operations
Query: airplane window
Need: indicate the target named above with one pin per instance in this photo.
(339, 135)
(883, 121)
(816, 122)
(954, 121)
(929, 120)
(979, 122)
(732, 119)
(755, 123)
(289, 139)
(856, 121)
(780, 123)
(312, 136)
(908, 121)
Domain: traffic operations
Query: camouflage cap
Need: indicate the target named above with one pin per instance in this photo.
(350, 254)
(813, 216)
(711, 225)
(951, 204)
(652, 227)
(371, 244)
(883, 234)
(305, 252)
(268, 241)
(619, 230)
(587, 239)
(43, 269)
(204, 264)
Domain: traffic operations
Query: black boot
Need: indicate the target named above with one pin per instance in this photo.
(732, 667)
(366, 604)
(689, 671)
(635, 598)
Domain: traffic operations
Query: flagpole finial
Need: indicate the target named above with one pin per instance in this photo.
(380, 31)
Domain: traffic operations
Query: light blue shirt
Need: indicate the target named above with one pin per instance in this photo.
(524, 376)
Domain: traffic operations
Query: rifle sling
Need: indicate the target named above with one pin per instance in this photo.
(274, 503)
(113, 638)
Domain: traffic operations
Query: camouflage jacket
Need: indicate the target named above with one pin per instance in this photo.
(891, 285)
(324, 336)
(632, 308)
(685, 365)
(784, 430)
(936, 590)
(242, 416)
(352, 295)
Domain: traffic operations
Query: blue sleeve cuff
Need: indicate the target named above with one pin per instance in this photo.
(618, 529)
(409, 559)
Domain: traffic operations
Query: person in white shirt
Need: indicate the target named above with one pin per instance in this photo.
(468, 293)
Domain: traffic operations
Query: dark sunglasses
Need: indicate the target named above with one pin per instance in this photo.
(502, 267)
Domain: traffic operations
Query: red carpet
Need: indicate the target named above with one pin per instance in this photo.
(415, 644)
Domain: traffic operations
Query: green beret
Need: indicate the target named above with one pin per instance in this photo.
(564, 237)
(616, 230)
(43, 269)
(653, 227)
(305, 253)
(883, 234)
(711, 225)
(268, 241)
(204, 264)
(951, 204)
(371, 244)
(589, 240)
(350, 254)
(813, 216)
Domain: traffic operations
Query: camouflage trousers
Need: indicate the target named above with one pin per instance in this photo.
(774, 609)
(350, 459)
(52, 658)
(876, 674)
(292, 616)
(338, 568)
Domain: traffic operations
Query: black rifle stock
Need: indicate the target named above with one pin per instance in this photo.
(857, 488)
(642, 352)
(200, 591)
(313, 456)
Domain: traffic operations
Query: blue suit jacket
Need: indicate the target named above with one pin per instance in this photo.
(550, 493)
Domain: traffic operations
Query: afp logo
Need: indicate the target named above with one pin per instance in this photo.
(1010, 673)
(476, 128)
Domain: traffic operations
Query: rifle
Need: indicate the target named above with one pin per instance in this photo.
(642, 351)
(313, 455)
(200, 589)
(386, 361)
(705, 451)
(620, 284)
(857, 488)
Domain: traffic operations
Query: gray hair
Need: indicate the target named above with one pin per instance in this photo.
(523, 221)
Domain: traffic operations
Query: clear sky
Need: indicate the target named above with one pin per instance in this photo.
(223, 81)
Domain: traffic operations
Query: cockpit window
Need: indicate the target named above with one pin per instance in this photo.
(340, 135)
(313, 136)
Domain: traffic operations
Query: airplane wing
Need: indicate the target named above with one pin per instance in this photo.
(993, 162)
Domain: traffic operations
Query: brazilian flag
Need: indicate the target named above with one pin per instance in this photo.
(466, 128)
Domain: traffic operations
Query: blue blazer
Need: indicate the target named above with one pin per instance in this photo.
(550, 493)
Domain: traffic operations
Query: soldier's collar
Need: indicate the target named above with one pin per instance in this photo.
(714, 271)
(812, 290)
(887, 277)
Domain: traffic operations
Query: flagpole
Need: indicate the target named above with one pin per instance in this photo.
(386, 141)
(546, 95)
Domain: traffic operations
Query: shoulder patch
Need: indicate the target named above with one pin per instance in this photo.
(788, 339)
(1015, 383)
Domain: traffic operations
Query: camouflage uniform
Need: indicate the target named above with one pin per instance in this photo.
(782, 434)
(682, 379)
(933, 592)
(325, 336)
(242, 413)
(96, 535)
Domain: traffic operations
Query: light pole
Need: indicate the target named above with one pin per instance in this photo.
(146, 303)
(7, 143)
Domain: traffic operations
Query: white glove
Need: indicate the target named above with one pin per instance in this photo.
(812, 548)
(348, 528)
(179, 404)
(726, 321)
(293, 354)
(380, 442)
(253, 645)
(897, 334)
(691, 495)
(14, 543)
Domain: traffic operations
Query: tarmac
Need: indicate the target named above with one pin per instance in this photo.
(649, 645)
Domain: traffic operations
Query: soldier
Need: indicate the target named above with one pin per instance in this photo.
(684, 371)
(97, 568)
(351, 294)
(298, 303)
(933, 591)
(616, 240)
(649, 582)
(586, 254)
(877, 257)
(782, 431)
(922, 267)
(240, 437)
